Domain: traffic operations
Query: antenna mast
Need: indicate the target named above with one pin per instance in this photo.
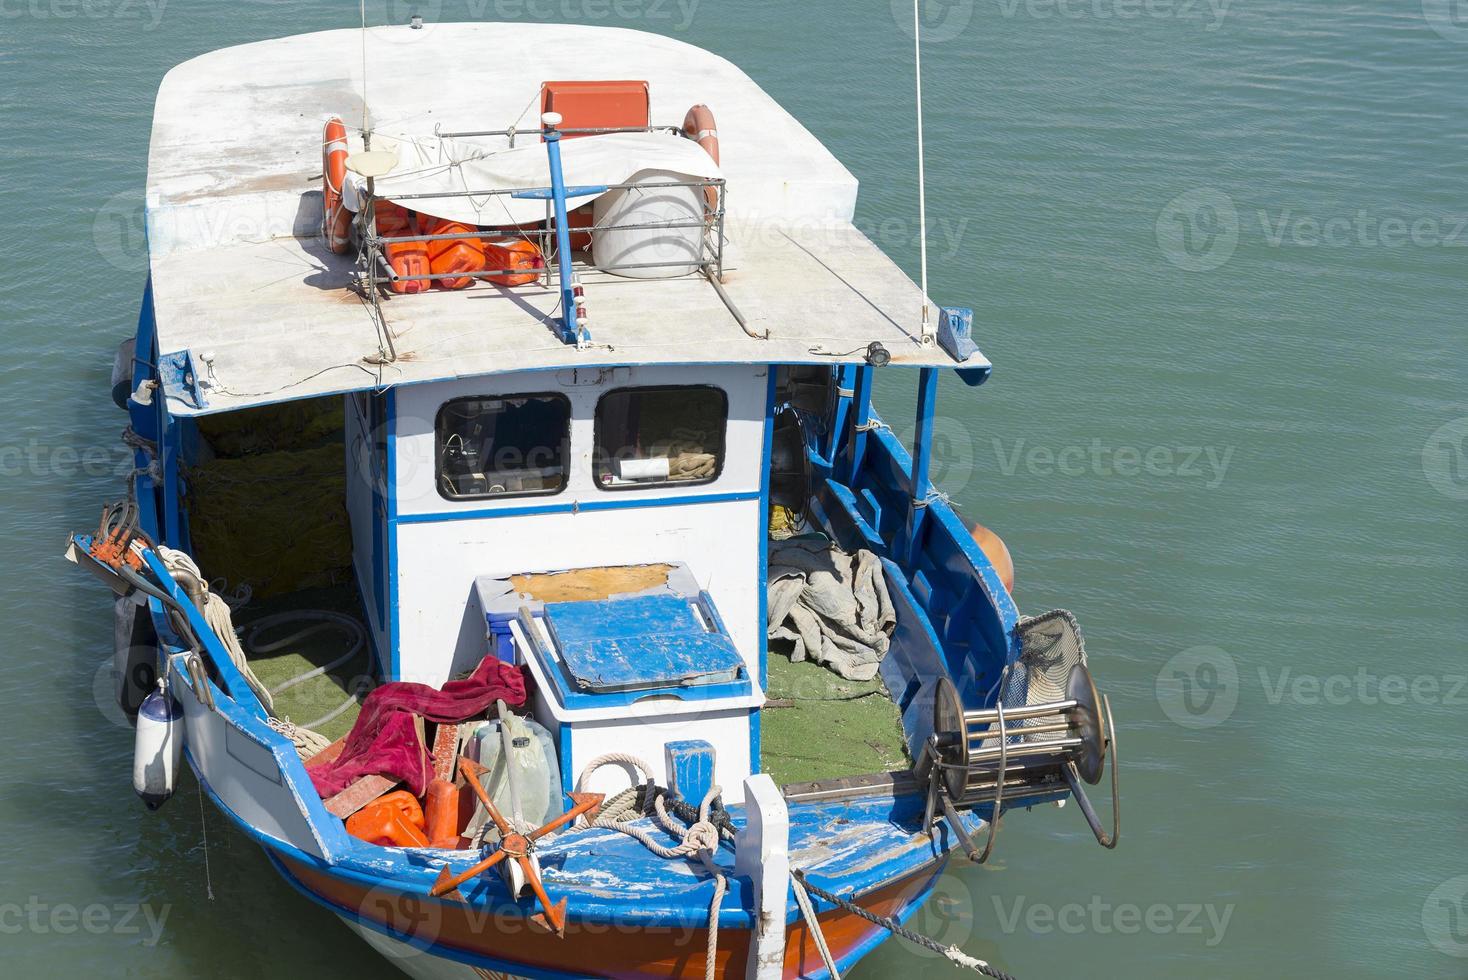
(917, 34)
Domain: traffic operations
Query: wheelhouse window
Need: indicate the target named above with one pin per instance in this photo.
(503, 446)
(654, 437)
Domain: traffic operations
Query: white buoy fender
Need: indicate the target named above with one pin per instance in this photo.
(157, 748)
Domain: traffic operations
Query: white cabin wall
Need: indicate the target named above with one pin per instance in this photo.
(360, 514)
(439, 562)
(438, 557)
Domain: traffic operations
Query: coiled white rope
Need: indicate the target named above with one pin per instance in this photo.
(216, 613)
(700, 840)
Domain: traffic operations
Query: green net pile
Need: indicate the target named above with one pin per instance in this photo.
(266, 497)
(817, 725)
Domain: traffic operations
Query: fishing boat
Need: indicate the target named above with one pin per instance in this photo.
(513, 550)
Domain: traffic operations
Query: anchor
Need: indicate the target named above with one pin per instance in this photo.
(971, 758)
(520, 847)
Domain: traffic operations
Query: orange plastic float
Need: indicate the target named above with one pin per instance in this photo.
(443, 814)
(394, 820)
(513, 253)
(997, 552)
(445, 257)
(336, 220)
(406, 258)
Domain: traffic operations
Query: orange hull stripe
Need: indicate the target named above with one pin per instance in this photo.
(642, 952)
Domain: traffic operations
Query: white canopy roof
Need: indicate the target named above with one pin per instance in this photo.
(431, 165)
(240, 274)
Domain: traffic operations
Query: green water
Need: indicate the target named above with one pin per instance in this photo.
(1220, 266)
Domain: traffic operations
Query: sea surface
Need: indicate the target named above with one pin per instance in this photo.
(1218, 254)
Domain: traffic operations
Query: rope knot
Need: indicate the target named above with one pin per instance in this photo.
(702, 836)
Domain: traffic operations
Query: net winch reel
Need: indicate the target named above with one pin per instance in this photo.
(1047, 726)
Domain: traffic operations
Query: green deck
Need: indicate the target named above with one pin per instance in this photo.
(816, 725)
(313, 699)
(819, 726)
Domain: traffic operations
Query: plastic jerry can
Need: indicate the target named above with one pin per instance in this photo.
(406, 258)
(511, 252)
(531, 763)
(394, 820)
(464, 255)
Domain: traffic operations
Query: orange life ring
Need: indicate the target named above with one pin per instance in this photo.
(700, 127)
(336, 220)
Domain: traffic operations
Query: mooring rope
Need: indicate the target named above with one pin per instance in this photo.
(808, 912)
(952, 953)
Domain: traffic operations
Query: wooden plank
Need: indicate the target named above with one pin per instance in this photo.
(329, 754)
(358, 795)
(591, 583)
(445, 752)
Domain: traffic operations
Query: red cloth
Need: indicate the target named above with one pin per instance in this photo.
(385, 740)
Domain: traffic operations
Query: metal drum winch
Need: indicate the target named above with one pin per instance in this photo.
(1048, 726)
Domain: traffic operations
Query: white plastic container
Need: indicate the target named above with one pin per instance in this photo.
(532, 764)
(674, 242)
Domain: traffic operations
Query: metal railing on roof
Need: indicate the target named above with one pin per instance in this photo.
(551, 238)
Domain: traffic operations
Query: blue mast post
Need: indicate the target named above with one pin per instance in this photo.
(858, 425)
(922, 454)
(573, 320)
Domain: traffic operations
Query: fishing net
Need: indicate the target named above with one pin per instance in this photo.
(1050, 648)
(266, 499)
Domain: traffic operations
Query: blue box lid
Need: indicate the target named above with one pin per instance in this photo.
(639, 642)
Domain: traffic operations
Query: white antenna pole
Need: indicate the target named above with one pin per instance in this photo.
(917, 34)
(365, 134)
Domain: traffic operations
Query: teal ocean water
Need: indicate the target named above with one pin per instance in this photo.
(1218, 253)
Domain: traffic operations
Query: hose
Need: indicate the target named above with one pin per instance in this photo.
(321, 620)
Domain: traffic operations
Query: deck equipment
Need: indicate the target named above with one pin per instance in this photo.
(1048, 726)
